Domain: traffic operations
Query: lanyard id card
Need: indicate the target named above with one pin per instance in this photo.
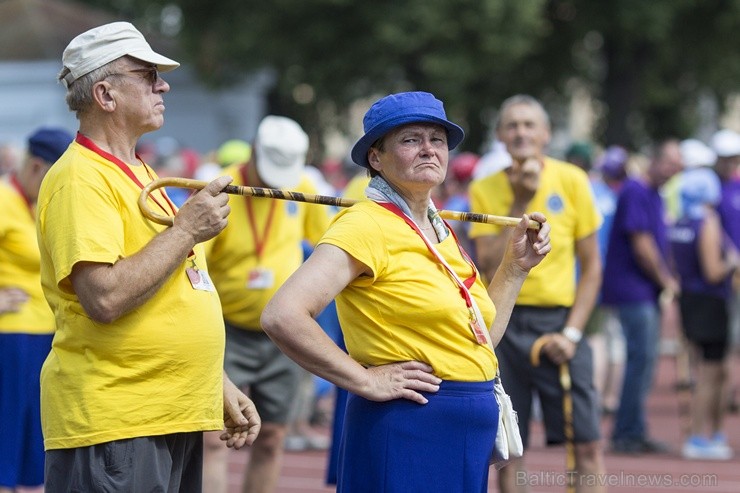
(199, 279)
(260, 278)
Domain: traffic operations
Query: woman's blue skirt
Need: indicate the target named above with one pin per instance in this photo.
(400, 446)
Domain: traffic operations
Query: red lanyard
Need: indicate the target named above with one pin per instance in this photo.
(16, 184)
(467, 282)
(86, 142)
(480, 332)
(260, 239)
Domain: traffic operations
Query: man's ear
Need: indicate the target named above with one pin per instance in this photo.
(103, 96)
(37, 164)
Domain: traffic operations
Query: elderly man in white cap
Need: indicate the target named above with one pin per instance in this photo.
(134, 376)
(254, 255)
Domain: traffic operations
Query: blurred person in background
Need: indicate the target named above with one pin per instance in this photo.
(705, 266)
(552, 306)
(334, 173)
(580, 153)
(726, 144)
(603, 330)
(10, 158)
(493, 160)
(135, 372)
(459, 174)
(694, 154)
(249, 260)
(171, 160)
(636, 272)
(355, 187)
(26, 321)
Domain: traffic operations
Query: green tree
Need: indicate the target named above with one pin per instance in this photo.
(342, 50)
(647, 64)
(327, 54)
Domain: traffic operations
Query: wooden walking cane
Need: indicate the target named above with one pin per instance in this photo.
(565, 383)
(273, 193)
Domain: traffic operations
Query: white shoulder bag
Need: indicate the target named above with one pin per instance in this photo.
(508, 440)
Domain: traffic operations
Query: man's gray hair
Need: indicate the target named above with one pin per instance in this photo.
(79, 96)
(524, 99)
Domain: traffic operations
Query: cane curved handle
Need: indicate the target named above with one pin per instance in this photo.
(164, 182)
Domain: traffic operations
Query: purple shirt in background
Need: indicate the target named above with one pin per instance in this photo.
(729, 210)
(639, 209)
(684, 237)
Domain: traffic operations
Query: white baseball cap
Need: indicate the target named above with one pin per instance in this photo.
(696, 153)
(726, 143)
(280, 151)
(103, 44)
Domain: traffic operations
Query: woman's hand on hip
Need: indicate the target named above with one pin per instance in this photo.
(404, 380)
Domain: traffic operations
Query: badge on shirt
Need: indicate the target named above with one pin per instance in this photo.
(260, 278)
(199, 279)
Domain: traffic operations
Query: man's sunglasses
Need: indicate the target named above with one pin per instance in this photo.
(149, 74)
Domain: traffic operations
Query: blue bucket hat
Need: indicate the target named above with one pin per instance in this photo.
(49, 143)
(400, 109)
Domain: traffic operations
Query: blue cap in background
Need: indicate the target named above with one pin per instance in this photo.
(49, 143)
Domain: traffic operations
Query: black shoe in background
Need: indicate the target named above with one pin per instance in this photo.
(651, 446)
(627, 447)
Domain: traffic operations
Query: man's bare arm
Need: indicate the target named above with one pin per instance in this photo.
(109, 291)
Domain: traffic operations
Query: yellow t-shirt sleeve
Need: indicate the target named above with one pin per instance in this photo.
(97, 238)
(368, 248)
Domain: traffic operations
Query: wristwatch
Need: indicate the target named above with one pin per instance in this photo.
(573, 334)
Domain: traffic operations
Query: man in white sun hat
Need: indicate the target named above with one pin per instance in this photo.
(253, 256)
(134, 376)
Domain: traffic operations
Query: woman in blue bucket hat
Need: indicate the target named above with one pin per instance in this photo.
(418, 322)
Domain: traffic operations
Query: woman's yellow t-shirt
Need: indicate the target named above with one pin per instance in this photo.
(19, 266)
(158, 369)
(410, 308)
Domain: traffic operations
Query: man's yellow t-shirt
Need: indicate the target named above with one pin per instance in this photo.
(156, 370)
(410, 308)
(260, 248)
(565, 198)
(19, 265)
